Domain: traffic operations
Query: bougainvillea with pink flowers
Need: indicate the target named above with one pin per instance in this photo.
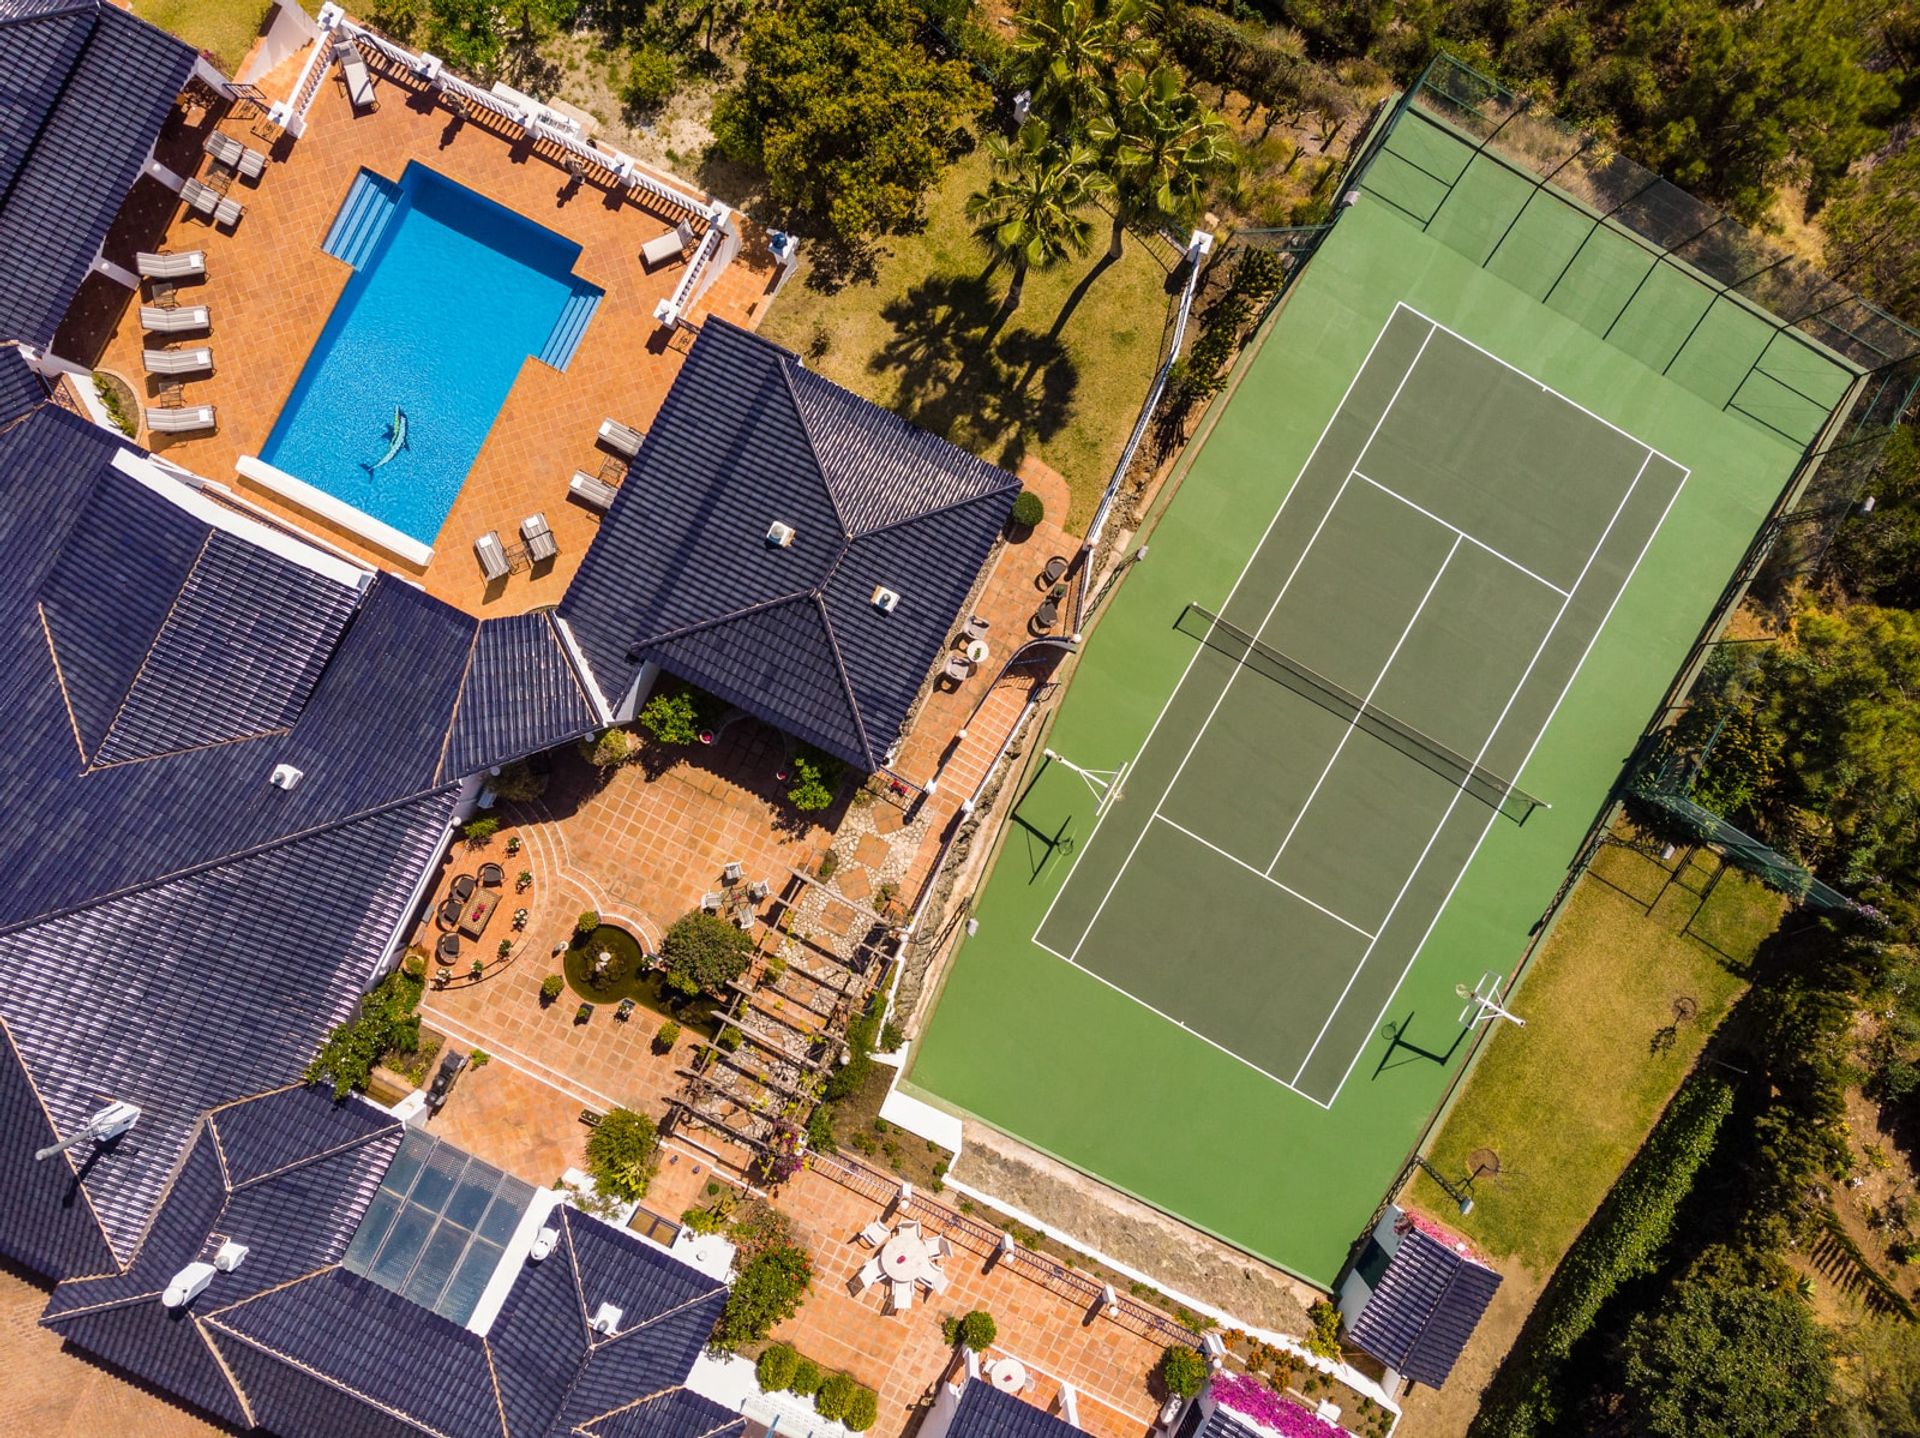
(1251, 1398)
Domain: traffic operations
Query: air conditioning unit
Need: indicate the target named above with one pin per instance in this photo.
(229, 1256)
(284, 776)
(884, 599)
(606, 1318)
(544, 1243)
(188, 1284)
(779, 536)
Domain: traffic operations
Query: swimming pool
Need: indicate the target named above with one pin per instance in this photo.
(451, 293)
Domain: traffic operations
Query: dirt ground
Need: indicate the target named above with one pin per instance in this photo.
(1446, 1412)
(1143, 1238)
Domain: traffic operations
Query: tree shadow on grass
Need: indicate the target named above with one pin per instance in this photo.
(967, 373)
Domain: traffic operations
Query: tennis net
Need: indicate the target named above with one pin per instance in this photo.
(1489, 788)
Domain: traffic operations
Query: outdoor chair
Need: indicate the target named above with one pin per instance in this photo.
(663, 249)
(758, 890)
(617, 436)
(710, 902)
(462, 887)
(591, 490)
(353, 70)
(941, 1248)
(899, 1297)
(731, 873)
(974, 628)
(187, 265)
(539, 538)
(874, 1234)
(1056, 568)
(176, 321)
(957, 668)
(493, 558)
(448, 914)
(187, 361)
(1048, 614)
(185, 420)
(492, 876)
(448, 947)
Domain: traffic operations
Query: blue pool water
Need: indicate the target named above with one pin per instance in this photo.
(442, 311)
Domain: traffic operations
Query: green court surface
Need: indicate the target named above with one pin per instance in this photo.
(1230, 989)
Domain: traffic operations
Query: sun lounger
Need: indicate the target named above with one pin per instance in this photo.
(187, 361)
(664, 248)
(591, 490)
(187, 265)
(540, 541)
(228, 213)
(175, 321)
(236, 156)
(184, 420)
(615, 435)
(492, 556)
(353, 69)
(202, 199)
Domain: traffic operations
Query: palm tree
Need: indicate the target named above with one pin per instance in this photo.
(1161, 146)
(1030, 213)
(1071, 52)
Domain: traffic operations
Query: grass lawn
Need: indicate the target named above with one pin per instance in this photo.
(926, 339)
(225, 28)
(1565, 1101)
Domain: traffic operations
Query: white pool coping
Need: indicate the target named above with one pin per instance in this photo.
(335, 511)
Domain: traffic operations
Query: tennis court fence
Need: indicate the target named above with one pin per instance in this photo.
(1198, 622)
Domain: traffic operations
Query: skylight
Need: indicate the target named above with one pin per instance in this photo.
(436, 1230)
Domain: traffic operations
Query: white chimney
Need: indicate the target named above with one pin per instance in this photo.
(884, 599)
(543, 1244)
(779, 536)
(606, 1318)
(229, 1256)
(187, 1285)
(284, 776)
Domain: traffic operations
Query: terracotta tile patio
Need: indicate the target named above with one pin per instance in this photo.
(270, 289)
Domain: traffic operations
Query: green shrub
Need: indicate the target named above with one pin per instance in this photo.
(768, 1289)
(115, 407)
(621, 1153)
(610, 750)
(650, 84)
(671, 718)
(518, 781)
(587, 922)
(775, 1368)
(820, 1129)
(861, 1035)
(816, 778)
(478, 831)
(729, 1039)
(550, 988)
(386, 1023)
(863, 1410)
(1029, 509)
(834, 1396)
(1324, 1339)
(666, 1038)
(806, 1378)
(891, 1037)
(1182, 1370)
(978, 1330)
(704, 953)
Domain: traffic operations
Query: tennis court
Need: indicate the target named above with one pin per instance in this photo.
(1277, 853)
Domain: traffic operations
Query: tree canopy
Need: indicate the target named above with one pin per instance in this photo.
(704, 953)
(847, 113)
(1032, 212)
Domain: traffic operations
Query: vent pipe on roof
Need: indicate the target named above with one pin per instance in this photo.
(284, 776)
(229, 1256)
(779, 536)
(884, 599)
(103, 1124)
(606, 1318)
(543, 1244)
(188, 1284)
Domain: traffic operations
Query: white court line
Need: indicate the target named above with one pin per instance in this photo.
(1566, 689)
(1264, 878)
(1226, 604)
(1372, 689)
(1266, 619)
(1492, 734)
(1476, 543)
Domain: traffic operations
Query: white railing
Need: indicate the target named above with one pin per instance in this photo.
(718, 245)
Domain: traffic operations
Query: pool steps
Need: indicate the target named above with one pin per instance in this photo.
(565, 339)
(363, 218)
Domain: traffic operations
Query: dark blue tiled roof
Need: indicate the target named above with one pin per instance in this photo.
(294, 1217)
(46, 1220)
(21, 387)
(681, 575)
(1424, 1309)
(677, 1413)
(521, 696)
(87, 87)
(986, 1412)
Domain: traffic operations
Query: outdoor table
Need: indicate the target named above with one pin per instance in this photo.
(977, 651)
(906, 1258)
(1009, 1375)
(477, 912)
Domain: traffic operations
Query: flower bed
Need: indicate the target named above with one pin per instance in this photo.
(1250, 1398)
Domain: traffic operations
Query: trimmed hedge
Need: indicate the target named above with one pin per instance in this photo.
(776, 1367)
